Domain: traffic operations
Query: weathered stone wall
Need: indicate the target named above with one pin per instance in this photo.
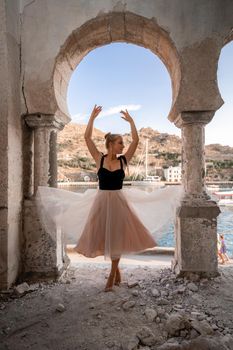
(10, 145)
(42, 256)
(3, 151)
(39, 259)
(196, 246)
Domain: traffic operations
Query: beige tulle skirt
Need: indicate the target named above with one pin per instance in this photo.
(104, 222)
(113, 228)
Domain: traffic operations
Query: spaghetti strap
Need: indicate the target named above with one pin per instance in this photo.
(102, 161)
(125, 161)
(121, 162)
(124, 158)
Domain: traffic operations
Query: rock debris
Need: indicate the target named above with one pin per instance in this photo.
(151, 309)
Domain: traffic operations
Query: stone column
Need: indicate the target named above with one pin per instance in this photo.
(53, 159)
(196, 221)
(28, 161)
(45, 128)
(43, 257)
(193, 164)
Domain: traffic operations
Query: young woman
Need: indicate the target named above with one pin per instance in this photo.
(110, 220)
(112, 227)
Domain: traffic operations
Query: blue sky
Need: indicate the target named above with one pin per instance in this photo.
(120, 75)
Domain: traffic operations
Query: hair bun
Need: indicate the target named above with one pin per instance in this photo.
(106, 135)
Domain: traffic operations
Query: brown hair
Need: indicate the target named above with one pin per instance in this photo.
(110, 138)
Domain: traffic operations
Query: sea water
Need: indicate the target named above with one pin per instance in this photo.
(224, 224)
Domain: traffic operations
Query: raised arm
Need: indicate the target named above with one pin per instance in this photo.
(135, 139)
(88, 133)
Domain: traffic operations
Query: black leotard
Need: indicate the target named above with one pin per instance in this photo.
(111, 180)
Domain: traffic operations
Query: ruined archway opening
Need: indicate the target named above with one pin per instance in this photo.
(219, 129)
(219, 149)
(119, 76)
(115, 27)
(111, 28)
(106, 69)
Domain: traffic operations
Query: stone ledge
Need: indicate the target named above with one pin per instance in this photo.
(208, 211)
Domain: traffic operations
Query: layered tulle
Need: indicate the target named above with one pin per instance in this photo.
(112, 228)
(109, 223)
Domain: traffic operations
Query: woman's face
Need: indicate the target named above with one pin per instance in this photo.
(118, 145)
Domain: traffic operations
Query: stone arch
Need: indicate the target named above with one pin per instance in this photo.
(228, 38)
(109, 28)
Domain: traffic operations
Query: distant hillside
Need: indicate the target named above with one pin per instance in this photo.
(218, 152)
(75, 161)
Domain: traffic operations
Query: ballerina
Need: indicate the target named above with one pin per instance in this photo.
(112, 226)
(111, 220)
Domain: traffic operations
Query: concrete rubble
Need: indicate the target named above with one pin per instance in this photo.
(181, 315)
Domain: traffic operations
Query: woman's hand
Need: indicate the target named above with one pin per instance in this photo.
(95, 112)
(126, 116)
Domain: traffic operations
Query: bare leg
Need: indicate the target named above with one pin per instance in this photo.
(112, 275)
(118, 277)
(221, 257)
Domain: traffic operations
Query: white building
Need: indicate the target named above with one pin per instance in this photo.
(173, 173)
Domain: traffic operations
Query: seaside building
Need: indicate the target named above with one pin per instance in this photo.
(173, 173)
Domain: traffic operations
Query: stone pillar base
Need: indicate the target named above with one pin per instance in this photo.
(196, 239)
(43, 258)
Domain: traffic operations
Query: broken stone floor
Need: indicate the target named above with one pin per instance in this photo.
(151, 309)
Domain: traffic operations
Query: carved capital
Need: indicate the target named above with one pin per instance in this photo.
(194, 117)
(38, 120)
